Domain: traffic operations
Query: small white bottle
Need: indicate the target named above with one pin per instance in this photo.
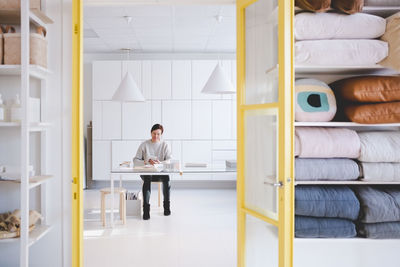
(2, 110)
(16, 112)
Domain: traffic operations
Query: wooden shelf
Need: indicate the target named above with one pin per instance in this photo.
(13, 16)
(35, 71)
(33, 127)
(34, 236)
(345, 183)
(344, 124)
(34, 181)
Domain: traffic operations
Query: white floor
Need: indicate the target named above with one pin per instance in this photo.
(200, 232)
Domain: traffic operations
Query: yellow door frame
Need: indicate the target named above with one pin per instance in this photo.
(285, 223)
(77, 136)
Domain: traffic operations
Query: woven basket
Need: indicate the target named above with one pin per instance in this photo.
(38, 48)
(16, 4)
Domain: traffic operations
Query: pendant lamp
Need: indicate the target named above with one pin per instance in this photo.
(128, 91)
(218, 83)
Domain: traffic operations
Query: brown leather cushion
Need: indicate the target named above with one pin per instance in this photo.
(374, 113)
(348, 6)
(314, 5)
(368, 88)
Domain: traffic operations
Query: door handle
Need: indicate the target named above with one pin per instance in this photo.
(271, 181)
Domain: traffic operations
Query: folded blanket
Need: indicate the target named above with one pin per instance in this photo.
(372, 171)
(326, 201)
(317, 26)
(386, 230)
(326, 169)
(318, 142)
(379, 204)
(380, 146)
(312, 227)
(340, 52)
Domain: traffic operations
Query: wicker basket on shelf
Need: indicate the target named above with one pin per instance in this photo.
(12, 47)
(11, 223)
(16, 4)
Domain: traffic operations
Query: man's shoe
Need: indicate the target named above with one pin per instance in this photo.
(167, 210)
(146, 212)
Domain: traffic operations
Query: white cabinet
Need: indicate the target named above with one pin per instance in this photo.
(123, 151)
(155, 113)
(201, 119)
(181, 79)
(136, 120)
(146, 79)
(176, 119)
(101, 160)
(222, 119)
(201, 72)
(196, 151)
(111, 121)
(224, 145)
(106, 79)
(176, 149)
(97, 120)
(161, 79)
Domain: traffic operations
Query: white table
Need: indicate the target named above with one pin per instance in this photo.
(121, 171)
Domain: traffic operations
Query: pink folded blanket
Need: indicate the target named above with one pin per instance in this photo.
(319, 142)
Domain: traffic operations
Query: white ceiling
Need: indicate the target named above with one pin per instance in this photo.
(160, 28)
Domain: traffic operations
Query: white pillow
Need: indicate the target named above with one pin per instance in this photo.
(340, 52)
(315, 26)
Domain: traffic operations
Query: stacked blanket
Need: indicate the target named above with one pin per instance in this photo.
(339, 39)
(380, 155)
(325, 211)
(326, 154)
(369, 99)
(380, 211)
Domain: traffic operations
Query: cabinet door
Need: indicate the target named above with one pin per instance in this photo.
(111, 120)
(181, 79)
(101, 160)
(97, 120)
(265, 135)
(106, 79)
(136, 120)
(201, 120)
(176, 119)
(161, 79)
(222, 119)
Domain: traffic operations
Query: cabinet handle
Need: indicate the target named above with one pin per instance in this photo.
(271, 181)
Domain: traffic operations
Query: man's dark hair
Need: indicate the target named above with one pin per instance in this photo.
(156, 127)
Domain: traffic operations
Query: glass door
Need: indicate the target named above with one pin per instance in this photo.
(265, 133)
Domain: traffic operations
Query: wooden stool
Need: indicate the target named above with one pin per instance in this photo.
(122, 203)
(159, 193)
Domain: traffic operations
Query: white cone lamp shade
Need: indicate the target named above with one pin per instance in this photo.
(128, 91)
(218, 83)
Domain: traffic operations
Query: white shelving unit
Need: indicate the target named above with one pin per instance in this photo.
(25, 18)
(330, 73)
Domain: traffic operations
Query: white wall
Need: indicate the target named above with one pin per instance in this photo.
(199, 128)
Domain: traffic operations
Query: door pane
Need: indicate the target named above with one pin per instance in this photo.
(261, 243)
(261, 35)
(261, 172)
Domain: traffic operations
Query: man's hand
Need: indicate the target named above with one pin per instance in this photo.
(152, 162)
